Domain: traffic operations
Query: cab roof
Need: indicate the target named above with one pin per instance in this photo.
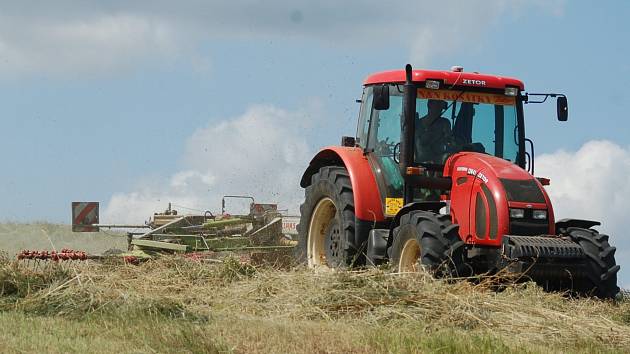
(458, 78)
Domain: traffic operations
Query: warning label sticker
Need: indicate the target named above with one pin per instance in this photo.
(393, 205)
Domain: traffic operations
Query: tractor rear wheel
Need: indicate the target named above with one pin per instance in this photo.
(428, 240)
(327, 221)
(601, 266)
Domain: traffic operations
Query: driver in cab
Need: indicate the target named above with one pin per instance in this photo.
(434, 137)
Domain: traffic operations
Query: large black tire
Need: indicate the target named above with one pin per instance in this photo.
(428, 239)
(326, 232)
(601, 266)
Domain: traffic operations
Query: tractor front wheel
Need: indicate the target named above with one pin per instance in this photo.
(428, 240)
(601, 265)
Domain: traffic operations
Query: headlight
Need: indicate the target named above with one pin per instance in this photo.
(511, 91)
(540, 214)
(432, 84)
(517, 213)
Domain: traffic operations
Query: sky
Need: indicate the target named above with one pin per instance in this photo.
(139, 103)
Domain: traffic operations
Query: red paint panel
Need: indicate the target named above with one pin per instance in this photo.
(475, 169)
(367, 200)
(448, 77)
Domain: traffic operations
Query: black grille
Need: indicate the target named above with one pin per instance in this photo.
(529, 227)
(493, 211)
(526, 191)
(480, 214)
(541, 247)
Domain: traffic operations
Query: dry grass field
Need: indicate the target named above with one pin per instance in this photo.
(175, 305)
(15, 237)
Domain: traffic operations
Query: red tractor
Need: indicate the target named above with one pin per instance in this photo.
(440, 175)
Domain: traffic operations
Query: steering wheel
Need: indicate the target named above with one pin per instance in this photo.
(386, 148)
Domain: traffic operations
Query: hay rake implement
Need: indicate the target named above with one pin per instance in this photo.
(264, 235)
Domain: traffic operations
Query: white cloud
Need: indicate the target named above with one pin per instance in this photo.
(186, 179)
(100, 44)
(593, 183)
(261, 153)
(100, 37)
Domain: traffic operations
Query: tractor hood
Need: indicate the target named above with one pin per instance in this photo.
(492, 197)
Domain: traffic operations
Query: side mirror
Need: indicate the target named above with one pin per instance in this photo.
(348, 141)
(381, 98)
(563, 109)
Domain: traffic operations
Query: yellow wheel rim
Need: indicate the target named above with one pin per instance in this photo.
(410, 256)
(323, 214)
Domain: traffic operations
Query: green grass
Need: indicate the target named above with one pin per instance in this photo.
(106, 334)
(103, 334)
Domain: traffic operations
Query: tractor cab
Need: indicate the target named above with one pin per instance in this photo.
(452, 111)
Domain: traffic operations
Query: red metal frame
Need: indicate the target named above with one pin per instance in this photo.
(447, 77)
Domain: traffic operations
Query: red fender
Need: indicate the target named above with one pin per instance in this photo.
(367, 199)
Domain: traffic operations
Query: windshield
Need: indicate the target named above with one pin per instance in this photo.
(451, 121)
(448, 122)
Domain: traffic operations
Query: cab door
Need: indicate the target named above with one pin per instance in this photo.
(383, 146)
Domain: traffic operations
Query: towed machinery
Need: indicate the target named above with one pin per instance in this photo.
(440, 175)
(264, 235)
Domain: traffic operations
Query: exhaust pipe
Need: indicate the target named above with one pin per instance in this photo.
(407, 131)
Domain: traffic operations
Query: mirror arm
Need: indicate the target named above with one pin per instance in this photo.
(544, 95)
